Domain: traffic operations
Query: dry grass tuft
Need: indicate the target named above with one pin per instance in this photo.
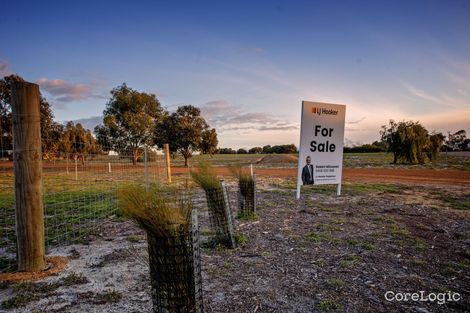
(206, 177)
(162, 212)
(245, 180)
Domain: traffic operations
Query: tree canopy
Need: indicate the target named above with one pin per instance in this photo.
(129, 120)
(280, 149)
(184, 130)
(255, 150)
(410, 142)
(209, 141)
(226, 151)
(50, 130)
(76, 142)
(457, 140)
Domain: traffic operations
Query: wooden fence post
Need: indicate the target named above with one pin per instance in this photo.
(168, 164)
(28, 177)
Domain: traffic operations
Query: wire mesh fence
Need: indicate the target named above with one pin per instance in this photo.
(79, 192)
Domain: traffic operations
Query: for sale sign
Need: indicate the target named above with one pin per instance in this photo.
(321, 144)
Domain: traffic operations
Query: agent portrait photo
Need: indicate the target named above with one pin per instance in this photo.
(307, 172)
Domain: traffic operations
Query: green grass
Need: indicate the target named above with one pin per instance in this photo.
(353, 188)
(361, 188)
(406, 239)
(110, 296)
(319, 237)
(327, 227)
(247, 216)
(452, 268)
(336, 282)
(398, 231)
(457, 203)
(220, 159)
(328, 305)
(74, 279)
(366, 245)
(385, 159)
(383, 220)
(134, 238)
(350, 261)
(351, 160)
(19, 300)
(369, 246)
(241, 240)
(69, 216)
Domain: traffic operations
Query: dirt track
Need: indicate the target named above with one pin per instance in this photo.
(416, 176)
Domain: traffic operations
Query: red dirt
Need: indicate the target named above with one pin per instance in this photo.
(372, 175)
(57, 264)
(376, 175)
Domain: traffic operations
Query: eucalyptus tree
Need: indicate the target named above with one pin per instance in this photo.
(129, 120)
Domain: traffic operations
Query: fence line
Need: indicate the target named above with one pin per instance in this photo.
(79, 193)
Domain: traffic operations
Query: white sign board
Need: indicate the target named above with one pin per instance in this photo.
(321, 144)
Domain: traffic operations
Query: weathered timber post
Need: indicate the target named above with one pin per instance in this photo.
(168, 164)
(146, 160)
(28, 177)
(76, 167)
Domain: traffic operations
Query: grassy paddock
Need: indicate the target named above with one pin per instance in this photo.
(73, 209)
(351, 160)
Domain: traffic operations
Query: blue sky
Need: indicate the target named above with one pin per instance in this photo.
(249, 64)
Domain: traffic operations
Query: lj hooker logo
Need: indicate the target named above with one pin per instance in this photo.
(321, 111)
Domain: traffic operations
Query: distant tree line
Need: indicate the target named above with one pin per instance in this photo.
(277, 149)
(376, 146)
(457, 141)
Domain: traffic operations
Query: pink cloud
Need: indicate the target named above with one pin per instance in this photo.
(64, 91)
(4, 68)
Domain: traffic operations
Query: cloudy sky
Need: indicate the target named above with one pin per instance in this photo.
(249, 64)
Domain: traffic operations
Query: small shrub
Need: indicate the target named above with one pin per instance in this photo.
(350, 261)
(133, 238)
(4, 285)
(19, 300)
(74, 254)
(241, 239)
(319, 237)
(34, 288)
(326, 305)
(111, 296)
(246, 185)
(74, 279)
(161, 212)
(247, 216)
(336, 282)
